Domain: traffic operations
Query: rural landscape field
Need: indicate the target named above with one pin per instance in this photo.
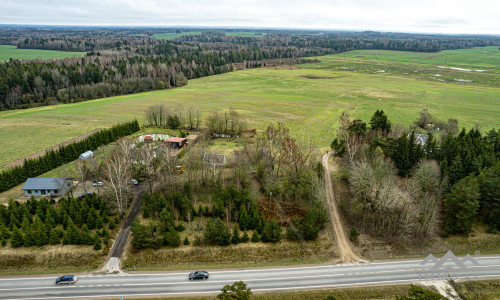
(263, 162)
(308, 98)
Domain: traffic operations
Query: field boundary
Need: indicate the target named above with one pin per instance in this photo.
(35, 155)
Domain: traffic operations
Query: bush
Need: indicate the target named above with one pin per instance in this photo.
(97, 245)
(186, 241)
(237, 290)
(353, 235)
(173, 238)
(245, 238)
(271, 232)
(236, 235)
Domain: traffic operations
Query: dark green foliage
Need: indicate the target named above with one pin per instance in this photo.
(112, 224)
(236, 235)
(145, 236)
(236, 291)
(358, 127)
(55, 236)
(338, 145)
(353, 234)
(420, 293)
(65, 154)
(173, 238)
(17, 239)
(245, 238)
(186, 241)
(97, 245)
(243, 219)
(461, 206)
(308, 227)
(255, 237)
(407, 154)
(489, 201)
(271, 233)
(379, 121)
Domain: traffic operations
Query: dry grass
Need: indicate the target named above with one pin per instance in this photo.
(49, 259)
(481, 290)
(241, 255)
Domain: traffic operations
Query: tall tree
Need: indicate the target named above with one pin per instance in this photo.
(461, 206)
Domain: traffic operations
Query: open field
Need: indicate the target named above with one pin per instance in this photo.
(245, 34)
(476, 58)
(10, 51)
(173, 35)
(307, 98)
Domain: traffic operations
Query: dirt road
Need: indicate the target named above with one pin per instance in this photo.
(344, 247)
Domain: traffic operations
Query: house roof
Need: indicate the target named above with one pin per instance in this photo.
(44, 184)
(175, 139)
(148, 137)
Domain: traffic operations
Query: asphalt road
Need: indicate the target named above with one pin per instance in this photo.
(265, 279)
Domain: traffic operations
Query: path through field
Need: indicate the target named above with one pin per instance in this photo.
(344, 247)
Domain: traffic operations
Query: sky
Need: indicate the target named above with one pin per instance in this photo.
(428, 16)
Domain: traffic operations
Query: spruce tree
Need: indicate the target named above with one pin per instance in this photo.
(245, 238)
(461, 206)
(271, 233)
(55, 237)
(236, 235)
(255, 237)
(223, 233)
(243, 219)
(86, 237)
(17, 239)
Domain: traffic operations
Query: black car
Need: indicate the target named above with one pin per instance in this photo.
(198, 275)
(66, 279)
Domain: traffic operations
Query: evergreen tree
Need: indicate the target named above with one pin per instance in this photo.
(223, 233)
(254, 219)
(379, 121)
(4, 232)
(40, 232)
(186, 241)
(86, 237)
(255, 237)
(55, 237)
(489, 201)
(271, 233)
(17, 239)
(29, 236)
(73, 234)
(245, 238)
(97, 244)
(243, 219)
(461, 206)
(236, 235)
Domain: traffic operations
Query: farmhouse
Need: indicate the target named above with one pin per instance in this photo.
(175, 142)
(47, 186)
(86, 155)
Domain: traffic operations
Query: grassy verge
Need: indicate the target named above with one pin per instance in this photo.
(49, 259)
(241, 255)
(481, 290)
(374, 292)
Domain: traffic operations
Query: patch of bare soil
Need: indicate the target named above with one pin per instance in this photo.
(317, 77)
(20, 162)
(344, 246)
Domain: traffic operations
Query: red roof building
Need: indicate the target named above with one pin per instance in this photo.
(175, 142)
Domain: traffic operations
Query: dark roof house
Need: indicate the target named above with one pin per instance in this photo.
(175, 142)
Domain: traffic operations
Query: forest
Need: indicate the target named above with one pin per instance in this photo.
(124, 61)
(403, 188)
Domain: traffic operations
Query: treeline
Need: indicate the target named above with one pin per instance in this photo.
(52, 159)
(71, 221)
(460, 173)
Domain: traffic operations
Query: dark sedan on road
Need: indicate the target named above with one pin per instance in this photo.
(198, 275)
(66, 279)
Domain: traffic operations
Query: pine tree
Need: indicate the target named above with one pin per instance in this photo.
(40, 232)
(173, 238)
(461, 206)
(97, 244)
(243, 219)
(86, 237)
(55, 237)
(271, 233)
(186, 241)
(236, 235)
(245, 238)
(223, 233)
(73, 234)
(255, 237)
(17, 239)
(379, 121)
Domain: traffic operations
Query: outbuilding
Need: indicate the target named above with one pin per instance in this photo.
(148, 139)
(175, 142)
(86, 155)
(47, 186)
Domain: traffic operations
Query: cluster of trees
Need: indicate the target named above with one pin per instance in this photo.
(71, 221)
(457, 172)
(228, 123)
(159, 115)
(33, 167)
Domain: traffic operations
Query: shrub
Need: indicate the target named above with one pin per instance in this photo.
(186, 241)
(271, 232)
(255, 237)
(353, 235)
(245, 238)
(97, 245)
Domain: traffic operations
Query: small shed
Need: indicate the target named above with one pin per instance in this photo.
(148, 139)
(47, 186)
(86, 155)
(175, 142)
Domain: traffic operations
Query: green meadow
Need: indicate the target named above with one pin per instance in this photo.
(308, 98)
(173, 35)
(10, 51)
(476, 58)
(245, 34)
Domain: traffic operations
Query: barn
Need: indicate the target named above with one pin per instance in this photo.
(175, 142)
(47, 186)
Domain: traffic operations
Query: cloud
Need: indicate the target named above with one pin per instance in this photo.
(435, 16)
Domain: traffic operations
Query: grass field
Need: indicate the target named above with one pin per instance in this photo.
(173, 35)
(308, 98)
(481, 57)
(245, 34)
(9, 51)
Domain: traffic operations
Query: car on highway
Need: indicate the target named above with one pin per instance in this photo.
(198, 275)
(99, 183)
(66, 279)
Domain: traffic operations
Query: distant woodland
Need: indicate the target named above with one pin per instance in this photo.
(125, 61)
